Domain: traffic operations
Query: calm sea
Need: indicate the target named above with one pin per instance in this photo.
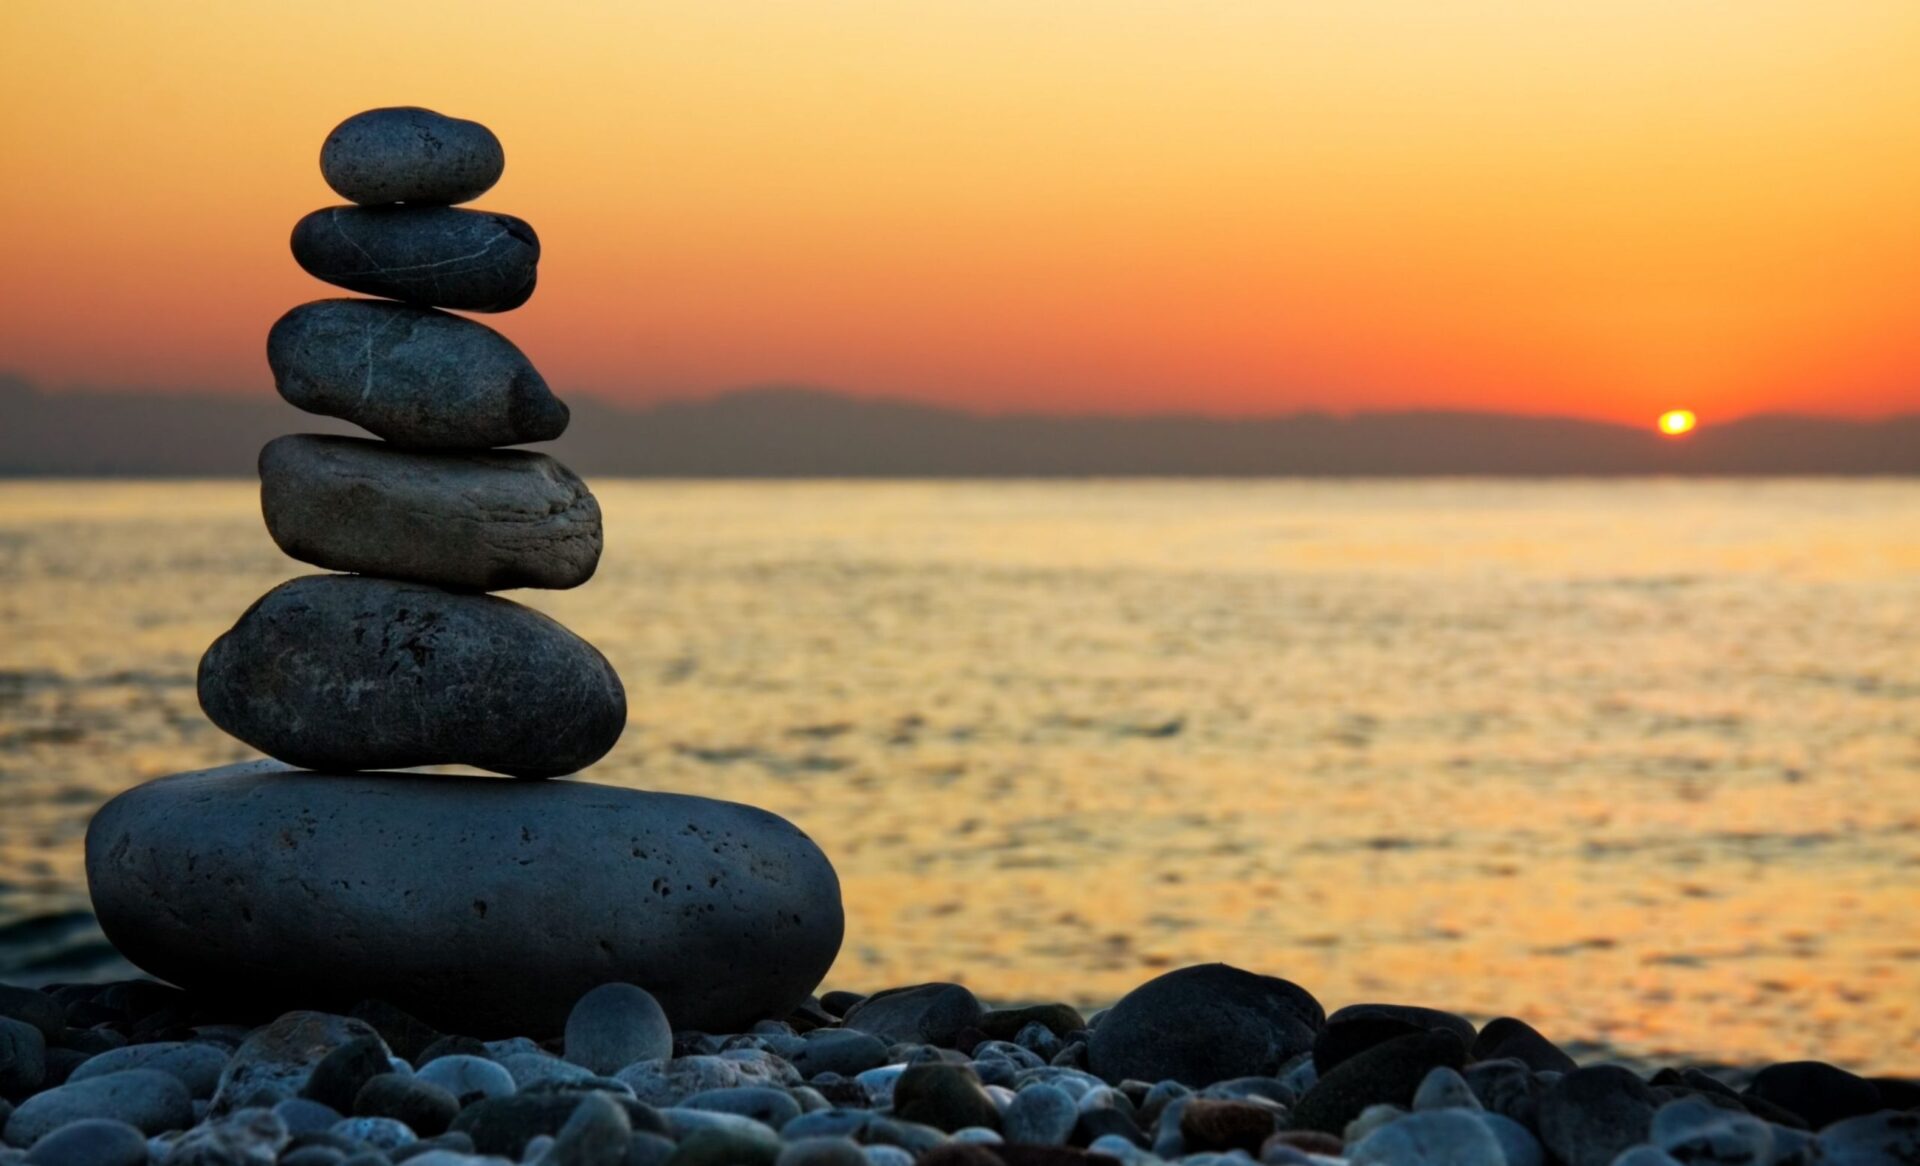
(1638, 761)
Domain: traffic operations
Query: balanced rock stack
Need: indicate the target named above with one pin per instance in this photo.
(484, 905)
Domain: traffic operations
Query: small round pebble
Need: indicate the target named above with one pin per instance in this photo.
(615, 1025)
(148, 1099)
(94, 1141)
(382, 1133)
(468, 1078)
(411, 155)
(1441, 1137)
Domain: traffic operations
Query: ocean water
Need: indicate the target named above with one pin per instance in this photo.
(1637, 761)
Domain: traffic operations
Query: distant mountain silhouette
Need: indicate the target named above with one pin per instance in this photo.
(793, 432)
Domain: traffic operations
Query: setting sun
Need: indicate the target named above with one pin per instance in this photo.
(1677, 422)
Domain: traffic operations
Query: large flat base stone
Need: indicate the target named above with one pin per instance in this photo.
(485, 906)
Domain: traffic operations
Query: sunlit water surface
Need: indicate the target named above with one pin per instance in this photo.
(1637, 761)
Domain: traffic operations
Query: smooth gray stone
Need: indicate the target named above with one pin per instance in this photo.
(411, 155)
(1445, 1088)
(1517, 1142)
(817, 1151)
(484, 521)
(1693, 1130)
(147, 1099)
(349, 672)
(94, 1141)
(596, 1135)
(844, 1051)
(1041, 1114)
(1439, 1137)
(437, 257)
(615, 1025)
(468, 1078)
(763, 1103)
(303, 1115)
(23, 1057)
(340, 887)
(1878, 1139)
(197, 1063)
(414, 376)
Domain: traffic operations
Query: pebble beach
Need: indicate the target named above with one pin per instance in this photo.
(1207, 1065)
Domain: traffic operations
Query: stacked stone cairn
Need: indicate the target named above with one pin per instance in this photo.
(488, 906)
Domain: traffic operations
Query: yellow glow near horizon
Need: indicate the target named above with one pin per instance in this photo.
(1114, 205)
(1675, 422)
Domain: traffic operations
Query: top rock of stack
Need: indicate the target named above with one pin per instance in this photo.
(405, 154)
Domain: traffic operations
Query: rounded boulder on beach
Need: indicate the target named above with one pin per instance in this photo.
(437, 257)
(412, 155)
(417, 377)
(480, 905)
(353, 672)
(1203, 1024)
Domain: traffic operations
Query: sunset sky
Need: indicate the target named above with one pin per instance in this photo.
(1605, 209)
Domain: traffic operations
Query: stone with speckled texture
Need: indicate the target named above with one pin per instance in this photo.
(440, 257)
(477, 904)
(355, 672)
(414, 376)
(407, 154)
(484, 521)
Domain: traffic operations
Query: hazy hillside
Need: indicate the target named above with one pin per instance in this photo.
(800, 432)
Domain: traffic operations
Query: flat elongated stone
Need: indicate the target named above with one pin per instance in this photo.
(484, 521)
(353, 672)
(474, 903)
(475, 261)
(414, 376)
(412, 155)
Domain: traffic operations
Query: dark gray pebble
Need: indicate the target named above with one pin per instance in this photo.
(1820, 1093)
(597, 1133)
(725, 912)
(197, 1064)
(349, 672)
(929, 1013)
(438, 257)
(946, 1097)
(339, 1076)
(1509, 1037)
(23, 1057)
(1202, 1024)
(765, 1104)
(1590, 1115)
(1389, 1073)
(145, 1098)
(426, 1108)
(91, 1142)
(411, 155)
(615, 1025)
(33, 1007)
(844, 1051)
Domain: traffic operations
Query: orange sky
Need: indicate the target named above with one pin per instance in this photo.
(1605, 208)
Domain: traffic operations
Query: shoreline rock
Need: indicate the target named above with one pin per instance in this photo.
(480, 905)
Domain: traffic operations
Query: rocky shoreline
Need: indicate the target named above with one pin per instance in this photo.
(1207, 1065)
